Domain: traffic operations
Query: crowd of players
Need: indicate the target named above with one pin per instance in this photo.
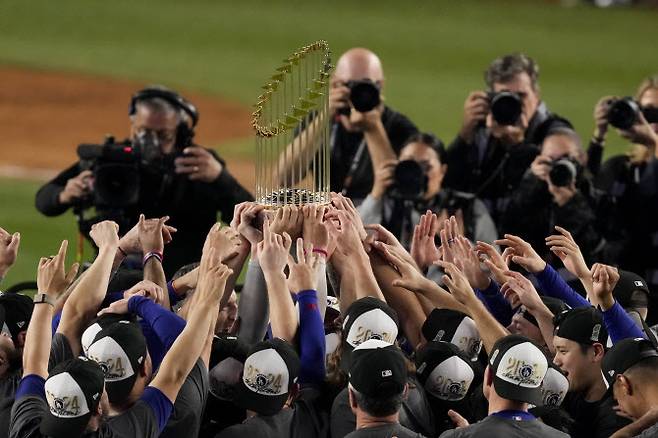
(499, 301)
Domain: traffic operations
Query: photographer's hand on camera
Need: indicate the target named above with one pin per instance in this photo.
(476, 108)
(601, 118)
(339, 95)
(384, 178)
(541, 167)
(76, 188)
(198, 164)
(641, 133)
(562, 195)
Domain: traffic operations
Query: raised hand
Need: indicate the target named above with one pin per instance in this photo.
(457, 283)
(448, 234)
(522, 253)
(410, 278)
(273, 250)
(198, 164)
(151, 234)
(148, 289)
(423, 247)
(344, 204)
(493, 260)
(244, 217)
(303, 272)
(212, 279)
(224, 240)
(467, 260)
(130, 242)
(119, 307)
(565, 247)
(9, 244)
(604, 279)
(519, 290)
(344, 232)
(315, 230)
(104, 234)
(52, 278)
(288, 219)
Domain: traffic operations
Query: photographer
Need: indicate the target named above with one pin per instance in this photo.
(555, 191)
(501, 132)
(364, 132)
(631, 179)
(405, 190)
(158, 171)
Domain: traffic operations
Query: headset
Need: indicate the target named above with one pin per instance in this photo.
(184, 134)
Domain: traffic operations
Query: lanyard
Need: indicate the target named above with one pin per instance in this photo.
(515, 415)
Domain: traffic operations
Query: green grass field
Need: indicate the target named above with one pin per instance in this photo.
(434, 53)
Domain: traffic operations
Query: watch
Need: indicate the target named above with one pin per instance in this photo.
(43, 298)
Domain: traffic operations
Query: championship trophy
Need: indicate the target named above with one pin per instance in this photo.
(291, 123)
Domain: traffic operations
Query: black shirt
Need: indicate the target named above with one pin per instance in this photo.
(494, 426)
(185, 420)
(346, 144)
(191, 205)
(593, 419)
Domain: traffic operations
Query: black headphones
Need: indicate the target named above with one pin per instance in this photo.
(184, 133)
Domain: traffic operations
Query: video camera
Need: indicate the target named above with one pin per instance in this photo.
(506, 107)
(364, 95)
(625, 112)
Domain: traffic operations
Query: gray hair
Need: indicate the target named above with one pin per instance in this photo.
(506, 68)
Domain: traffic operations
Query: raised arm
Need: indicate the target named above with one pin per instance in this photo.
(9, 244)
(152, 242)
(87, 296)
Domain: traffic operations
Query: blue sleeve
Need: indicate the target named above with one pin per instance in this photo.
(496, 303)
(55, 322)
(552, 285)
(620, 326)
(165, 323)
(31, 385)
(111, 298)
(312, 344)
(159, 404)
(157, 351)
(173, 296)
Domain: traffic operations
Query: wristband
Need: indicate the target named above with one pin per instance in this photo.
(148, 255)
(125, 254)
(43, 298)
(322, 252)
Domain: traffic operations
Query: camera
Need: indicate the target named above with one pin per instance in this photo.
(409, 181)
(625, 112)
(506, 107)
(364, 95)
(563, 171)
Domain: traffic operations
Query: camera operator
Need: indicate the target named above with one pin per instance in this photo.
(556, 190)
(501, 132)
(364, 132)
(158, 171)
(405, 190)
(631, 179)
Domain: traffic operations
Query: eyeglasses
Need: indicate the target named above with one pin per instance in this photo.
(163, 135)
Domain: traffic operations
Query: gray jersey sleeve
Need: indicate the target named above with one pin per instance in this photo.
(253, 308)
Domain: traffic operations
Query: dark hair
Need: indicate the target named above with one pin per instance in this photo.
(184, 270)
(647, 365)
(506, 68)
(378, 406)
(430, 140)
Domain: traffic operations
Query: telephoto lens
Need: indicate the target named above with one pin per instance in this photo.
(410, 181)
(364, 95)
(563, 172)
(506, 107)
(623, 113)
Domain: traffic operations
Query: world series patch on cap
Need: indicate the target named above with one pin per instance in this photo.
(120, 350)
(269, 372)
(367, 318)
(455, 327)
(519, 368)
(378, 369)
(624, 355)
(73, 391)
(445, 372)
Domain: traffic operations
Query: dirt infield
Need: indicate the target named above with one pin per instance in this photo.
(45, 115)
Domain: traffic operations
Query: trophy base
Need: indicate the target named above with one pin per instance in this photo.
(294, 196)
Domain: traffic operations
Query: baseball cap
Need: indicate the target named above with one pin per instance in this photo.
(519, 367)
(583, 325)
(444, 370)
(628, 283)
(378, 369)
(73, 391)
(455, 327)
(227, 358)
(120, 350)
(554, 387)
(270, 370)
(555, 305)
(367, 318)
(623, 355)
(99, 324)
(15, 313)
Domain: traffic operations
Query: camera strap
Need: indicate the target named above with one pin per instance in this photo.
(354, 165)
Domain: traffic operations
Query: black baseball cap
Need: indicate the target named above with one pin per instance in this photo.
(624, 355)
(519, 368)
(15, 313)
(103, 321)
(226, 364)
(444, 370)
(583, 325)
(73, 391)
(270, 370)
(120, 350)
(628, 283)
(555, 305)
(455, 327)
(367, 318)
(378, 369)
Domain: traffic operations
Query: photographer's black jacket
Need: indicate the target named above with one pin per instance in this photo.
(191, 205)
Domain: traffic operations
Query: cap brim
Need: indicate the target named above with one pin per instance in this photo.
(63, 427)
(513, 392)
(261, 404)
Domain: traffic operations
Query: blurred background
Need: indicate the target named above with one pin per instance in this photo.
(68, 69)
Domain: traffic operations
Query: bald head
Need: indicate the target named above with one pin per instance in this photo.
(359, 63)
